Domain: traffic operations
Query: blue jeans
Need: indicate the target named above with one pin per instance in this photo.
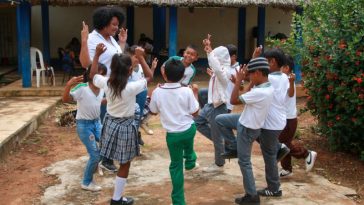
(226, 124)
(141, 98)
(89, 132)
(203, 96)
(245, 139)
(206, 125)
(269, 145)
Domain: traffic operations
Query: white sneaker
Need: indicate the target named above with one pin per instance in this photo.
(91, 187)
(285, 173)
(197, 165)
(310, 160)
(99, 170)
(213, 168)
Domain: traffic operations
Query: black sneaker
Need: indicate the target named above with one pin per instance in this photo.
(140, 140)
(108, 165)
(230, 154)
(282, 152)
(248, 200)
(122, 201)
(267, 192)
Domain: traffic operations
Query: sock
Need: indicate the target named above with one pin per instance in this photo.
(119, 188)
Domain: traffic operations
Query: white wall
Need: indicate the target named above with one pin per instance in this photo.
(221, 23)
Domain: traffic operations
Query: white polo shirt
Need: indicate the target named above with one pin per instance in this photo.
(88, 104)
(257, 104)
(112, 48)
(230, 86)
(189, 73)
(175, 104)
(276, 119)
(124, 106)
(291, 104)
(137, 73)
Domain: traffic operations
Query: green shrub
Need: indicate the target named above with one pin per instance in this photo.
(333, 69)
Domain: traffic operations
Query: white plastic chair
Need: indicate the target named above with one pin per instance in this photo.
(40, 69)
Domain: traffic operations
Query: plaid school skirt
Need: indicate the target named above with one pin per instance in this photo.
(119, 139)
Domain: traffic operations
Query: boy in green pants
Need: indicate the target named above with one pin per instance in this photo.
(177, 105)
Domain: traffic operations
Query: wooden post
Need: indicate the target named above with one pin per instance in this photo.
(261, 26)
(172, 31)
(241, 34)
(23, 12)
(130, 24)
(45, 31)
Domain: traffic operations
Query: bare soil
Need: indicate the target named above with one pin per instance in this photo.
(22, 182)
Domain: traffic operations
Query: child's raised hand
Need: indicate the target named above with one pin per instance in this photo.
(75, 80)
(257, 51)
(207, 43)
(123, 35)
(100, 49)
(154, 63)
(209, 71)
(84, 32)
(291, 77)
(139, 52)
(241, 75)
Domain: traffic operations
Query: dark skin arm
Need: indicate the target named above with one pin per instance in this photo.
(139, 53)
(100, 49)
(242, 74)
(66, 97)
(291, 78)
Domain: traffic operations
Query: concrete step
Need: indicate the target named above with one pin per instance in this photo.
(19, 117)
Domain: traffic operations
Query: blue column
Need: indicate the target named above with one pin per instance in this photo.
(299, 43)
(261, 26)
(159, 28)
(130, 24)
(172, 31)
(241, 34)
(23, 12)
(45, 30)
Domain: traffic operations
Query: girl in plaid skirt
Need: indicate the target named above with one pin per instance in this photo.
(119, 140)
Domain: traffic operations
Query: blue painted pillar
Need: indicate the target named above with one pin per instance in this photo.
(130, 24)
(241, 34)
(159, 28)
(172, 31)
(299, 43)
(45, 30)
(23, 12)
(261, 26)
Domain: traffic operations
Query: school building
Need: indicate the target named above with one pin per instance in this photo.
(172, 24)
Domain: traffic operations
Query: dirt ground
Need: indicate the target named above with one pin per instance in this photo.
(23, 182)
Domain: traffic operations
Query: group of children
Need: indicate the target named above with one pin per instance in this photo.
(269, 116)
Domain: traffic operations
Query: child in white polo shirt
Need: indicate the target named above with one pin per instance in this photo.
(89, 98)
(257, 97)
(177, 105)
(287, 135)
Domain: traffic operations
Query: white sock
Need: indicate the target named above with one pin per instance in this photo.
(119, 188)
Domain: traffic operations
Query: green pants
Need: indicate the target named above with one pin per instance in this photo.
(180, 145)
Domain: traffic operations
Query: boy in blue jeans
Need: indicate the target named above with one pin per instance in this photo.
(257, 97)
(177, 105)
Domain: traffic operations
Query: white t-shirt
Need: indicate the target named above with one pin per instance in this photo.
(291, 104)
(257, 104)
(124, 106)
(112, 48)
(175, 104)
(137, 73)
(88, 104)
(230, 86)
(276, 119)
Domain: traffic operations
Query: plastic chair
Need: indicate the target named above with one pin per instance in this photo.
(41, 68)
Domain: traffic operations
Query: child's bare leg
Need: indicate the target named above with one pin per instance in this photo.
(120, 183)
